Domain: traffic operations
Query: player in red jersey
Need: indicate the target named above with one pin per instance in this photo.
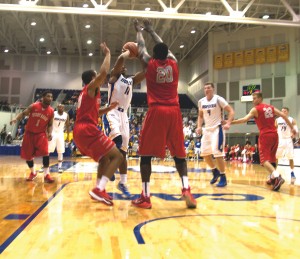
(88, 138)
(38, 131)
(162, 125)
(264, 115)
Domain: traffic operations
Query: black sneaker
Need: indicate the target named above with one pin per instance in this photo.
(277, 183)
(216, 175)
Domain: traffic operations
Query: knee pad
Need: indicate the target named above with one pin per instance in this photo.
(46, 161)
(146, 160)
(118, 141)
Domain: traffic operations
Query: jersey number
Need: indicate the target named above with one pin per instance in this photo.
(164, 75)
(127, 91)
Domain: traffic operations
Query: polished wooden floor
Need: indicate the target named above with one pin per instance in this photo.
(243, 220)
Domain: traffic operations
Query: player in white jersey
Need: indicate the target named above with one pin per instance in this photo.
(286, 146)
(213, 136)
(60, 124)
(116, 121)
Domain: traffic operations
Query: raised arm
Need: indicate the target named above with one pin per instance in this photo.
(118, 67)
(101, 76)
(149, 28)
(143, 53)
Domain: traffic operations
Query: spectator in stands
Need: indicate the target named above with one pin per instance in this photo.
(3, 135)
(9, 138)
(20, 132)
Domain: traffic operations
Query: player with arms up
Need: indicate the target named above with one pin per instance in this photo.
(88, 138)
(162, 125)
(116, 121)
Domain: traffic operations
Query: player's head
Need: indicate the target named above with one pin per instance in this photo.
(285, 110)
(88, 76)
(60, 108)
(257, 98)
(47, 97)
(209, 88)
(160, 51)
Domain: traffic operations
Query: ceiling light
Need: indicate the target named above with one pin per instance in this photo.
(87, 26)
(266, 16)
(33, 23)
(91, 54)
(89, 42)
(42, 39)
(193, 31)
(85, 5)
(48, 52)
(181, 46)
(147, 9)
(6, 50)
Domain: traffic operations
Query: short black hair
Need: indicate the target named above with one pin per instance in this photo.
(87, 76)
(160, 51)
(46, 92)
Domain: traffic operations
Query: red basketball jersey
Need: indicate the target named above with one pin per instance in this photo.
(88, 107)
(162, 82)
(39, 118)
(266, 118)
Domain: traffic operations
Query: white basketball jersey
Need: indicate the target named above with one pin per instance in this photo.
(121, 91)
(283, 130)
(59, 121)
(212, 110)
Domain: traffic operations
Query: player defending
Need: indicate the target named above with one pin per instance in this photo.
(37, 133)
(88, 138)
(116, 122)
(264, 115)
(162, 125)
(286, 145)
(60, 123)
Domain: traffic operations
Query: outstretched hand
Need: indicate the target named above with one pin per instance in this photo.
(104, 48)
(137, 25)
(147, 25)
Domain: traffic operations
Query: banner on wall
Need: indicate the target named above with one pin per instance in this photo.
(249, 57)
(271, 54)
(239, 58)
(283, 52)
(260, 56)
(218, 61)
(228, 60)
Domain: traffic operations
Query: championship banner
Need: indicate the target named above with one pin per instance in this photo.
(238, 58)
(228, 60)
(283, 51)
(271, 54)
(260, 55)
(249, 57)
(218, 61)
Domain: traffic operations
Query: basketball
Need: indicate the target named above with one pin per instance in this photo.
(133, 49)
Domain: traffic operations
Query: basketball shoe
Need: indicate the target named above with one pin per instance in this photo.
(123, 188)
(191, 203)
(223, 181)
(48, 179)
(216, 175)
(142, 202)
(278, 181)
(31, 177)
(60, 170)
(102, 196)
(271, 180)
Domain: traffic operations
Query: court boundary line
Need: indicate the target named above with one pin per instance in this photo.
(141, 241)
(19, 230)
